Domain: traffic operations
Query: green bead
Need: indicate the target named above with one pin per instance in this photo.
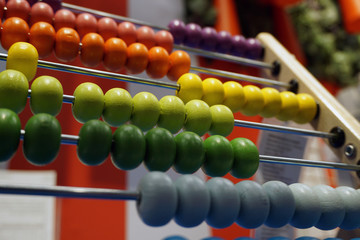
(94, 143)
(42, 139)
(219, 156)
(190, 152)
(128, 148)
(10, 127)
(246, 158)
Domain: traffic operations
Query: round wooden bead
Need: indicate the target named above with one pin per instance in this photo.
(272, 104)
(14, 30)
(289, 106)
(225, 203)
(307, 108)
(193, 201)
(158, 199)
(10, 127)
(254, 101)
(92, 49)
(351, 200)
(254, 204)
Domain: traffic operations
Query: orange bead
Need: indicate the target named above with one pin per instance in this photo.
(67, 43)
(137, 58)
(42, 37)
(158, 62)
(146, 36)
(164, 39)
(114, 54)
(92, 49)
(86, 23)
(14, 30)
(17, 8)
(179, 64)
(107, 28)
(127, 32)
(64, 18)
(41, 12)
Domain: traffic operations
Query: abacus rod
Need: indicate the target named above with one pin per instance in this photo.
(239, 76)
(308, 163)
(283, 129)
(70, 192)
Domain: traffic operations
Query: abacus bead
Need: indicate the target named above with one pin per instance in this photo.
(289, 106)
(18, 8)
(282, 203)
(118, 106)
(146, 110)
(222, 120)
(238, 45)
(146, 36)
(234, 97)
(191, 87)
(94, 142)
(137, 58)
(107, 28)
(219, 156)
(272, 102)
(332, 207)
(86, 23)
(64, 18)
(164, 39)
(179, 64)
(224, 42)
(178, 29)
(42, 139)
(127, 32)
(14, 30)
(114, 54)
(2, 5)
(351, 201)
(190, 153)
(254, 204)
(172, 113)
(158, 64)
(42, 37)
(198, 117)
(158, 199)
(160, 149)
(41, 12)
(192, 35)
(67, 43)
(193, 201)
(208, 39)
(128, 148)
(213, 91)
(225, 203)
(307, 207)
(254, 101)
(10, 127)
(253, 48)
(92, 49)
(246, 158)
(307, 108)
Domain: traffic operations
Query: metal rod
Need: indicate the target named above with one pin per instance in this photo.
(70, 192)
(283, 129)
(308, 163)
(239, 76)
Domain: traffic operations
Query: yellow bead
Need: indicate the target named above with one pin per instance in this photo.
(307, 108)
(222, 120)
(234, 97)
(213, 91)
(191, 87)
(272, 101)
(23, 57)
(289, 106)
(254, 101)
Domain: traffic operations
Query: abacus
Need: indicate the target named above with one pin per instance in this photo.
(200, 106)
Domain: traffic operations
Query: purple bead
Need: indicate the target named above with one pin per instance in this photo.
(239, 46)
(178, 29)
(55, 4)
(253, 48)
(224, 42)
(208, 39)
(193, 35)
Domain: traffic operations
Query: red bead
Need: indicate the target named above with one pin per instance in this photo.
(2, 5)
(137, 58)
(92, 49)
(114, 54)
(67, 43)
(86, 23)
(146, 36)
(14, 30)
(107, 28)
(179, 64)
(164, 39)
(158, 62)
(18, 8)
(41, 11)
(127, 32)
(64, 18)
(42, 37)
